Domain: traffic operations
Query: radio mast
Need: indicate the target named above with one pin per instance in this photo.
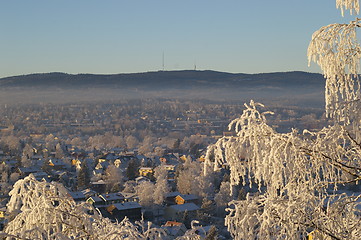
(163, 62)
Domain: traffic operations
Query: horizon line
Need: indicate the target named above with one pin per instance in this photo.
(154, 71)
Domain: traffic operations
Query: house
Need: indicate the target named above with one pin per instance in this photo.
(117, 150)
(178, 212)
(11, 163)
(202, 231)
(174, 229)
(118, 163)
(143, 159)
(119, 197)
(186, 198)
(41, 176)
(112, 198)
(57, 164)
(89, 193)
(183, 158)
(108, 157)
(37, 158)
(117, 211)
(144, 171)
(202, 158)
(170, 197)
(96, 201)
(169, 158)
(26, 171)
(100, 167)
(130, 197)
(3, 220)
(170, 167)
(2, 212)
(98, 186)
(75, 162)
(77, 196)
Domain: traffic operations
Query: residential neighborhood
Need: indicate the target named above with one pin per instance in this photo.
(133, 160)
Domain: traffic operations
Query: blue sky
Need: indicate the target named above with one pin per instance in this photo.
(123, 36)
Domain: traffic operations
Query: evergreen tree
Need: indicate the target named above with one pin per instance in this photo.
(83, 176)
(132, 169)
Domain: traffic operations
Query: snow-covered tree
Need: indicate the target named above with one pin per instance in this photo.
(59, 153)
(161, 184)
(145, 191)
(223, 197)
(132, 142)
(114, 178)
(50, 142)
(45, 211)
(187, 174)
(129, 186)
(190, 179)
(298, 174)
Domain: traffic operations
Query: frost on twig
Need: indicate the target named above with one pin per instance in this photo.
(352, 5)
(294, 173)
(336, 50)
(46, 212)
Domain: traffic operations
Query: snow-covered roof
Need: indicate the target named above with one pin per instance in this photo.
(100, 182)
(172, 194)
(95, 199)
(185, 207)
(126, 205)
(31, 169)
(188, 197)
(146, 168)
(112, 196)
(141, 179)
(77, 195)
(88, 192)
(129, 195)
(56, 162)
(174, 228)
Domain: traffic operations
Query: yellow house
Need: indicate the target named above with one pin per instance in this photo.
(75, 162)
(169, 167)
(186, 198)
(184, 158)
(2, 212)
(202, 158)
(144, 171)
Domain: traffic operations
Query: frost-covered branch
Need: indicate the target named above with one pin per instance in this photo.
(293, 172)
(336, 50)
(44, 211)
(352, 5)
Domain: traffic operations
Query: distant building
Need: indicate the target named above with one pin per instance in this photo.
(144, 171)
(174, 229)
(186, 198)
(177, 212)
(118, 211)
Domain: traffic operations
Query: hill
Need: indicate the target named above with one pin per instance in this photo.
(55, 87)
(165, 79)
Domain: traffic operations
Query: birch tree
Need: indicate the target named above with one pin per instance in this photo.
(45, 211)
(161, 187)
(298, 174)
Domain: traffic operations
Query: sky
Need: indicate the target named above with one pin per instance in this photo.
(126, 36)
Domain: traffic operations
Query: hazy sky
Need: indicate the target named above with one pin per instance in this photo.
(122, 36)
